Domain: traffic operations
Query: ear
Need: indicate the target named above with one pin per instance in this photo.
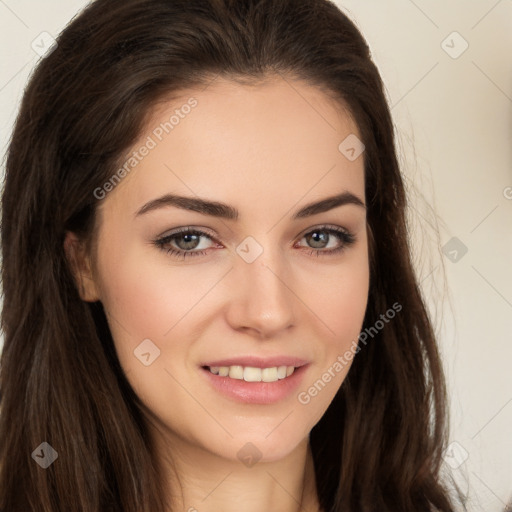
(80, 264)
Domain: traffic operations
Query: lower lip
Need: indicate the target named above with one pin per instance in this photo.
(256, 392)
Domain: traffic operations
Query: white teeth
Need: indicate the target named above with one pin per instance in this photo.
(269, 374)
(236, 372)
(250, 374)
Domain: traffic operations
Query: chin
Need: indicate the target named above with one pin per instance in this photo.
(262, 447)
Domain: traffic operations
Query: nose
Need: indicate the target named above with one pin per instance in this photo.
(263, 302)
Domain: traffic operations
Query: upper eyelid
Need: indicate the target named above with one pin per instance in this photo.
(207, 231)
(187, 230)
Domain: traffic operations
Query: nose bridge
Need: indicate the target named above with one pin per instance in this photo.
(264, 300)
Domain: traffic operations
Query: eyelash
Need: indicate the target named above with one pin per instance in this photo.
(345, 236)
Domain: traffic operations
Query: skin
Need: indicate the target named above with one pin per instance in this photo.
(266, 150)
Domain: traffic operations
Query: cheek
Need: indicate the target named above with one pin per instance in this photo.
(338, 297)
(339, 302)
(145, 297)
(148, 300)
(339, 306)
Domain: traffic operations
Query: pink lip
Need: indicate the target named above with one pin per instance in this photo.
(256, 392)
(258, 362)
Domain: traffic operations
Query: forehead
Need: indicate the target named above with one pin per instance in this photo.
(230, 141)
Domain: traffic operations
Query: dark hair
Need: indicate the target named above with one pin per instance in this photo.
(379, 445)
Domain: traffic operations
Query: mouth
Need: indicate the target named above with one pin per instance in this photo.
(259, 382)
(251, 373)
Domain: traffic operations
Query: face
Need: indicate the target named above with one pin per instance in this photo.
(260, 281)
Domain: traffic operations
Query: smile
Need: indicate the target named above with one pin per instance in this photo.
(252, 374)
(253, 385)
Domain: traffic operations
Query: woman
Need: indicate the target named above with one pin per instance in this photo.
(209, 300)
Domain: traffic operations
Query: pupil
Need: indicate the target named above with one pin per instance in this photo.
(189, 239)
(316, 236)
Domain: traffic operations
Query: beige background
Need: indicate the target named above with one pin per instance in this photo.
(447, 67)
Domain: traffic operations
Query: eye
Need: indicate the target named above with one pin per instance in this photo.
(320, 238)
(187, 241)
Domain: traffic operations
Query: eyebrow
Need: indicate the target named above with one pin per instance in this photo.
(225, 211)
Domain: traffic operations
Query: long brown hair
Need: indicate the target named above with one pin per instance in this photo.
(379, 445)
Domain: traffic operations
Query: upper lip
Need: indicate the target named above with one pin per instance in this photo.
(258, 362)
